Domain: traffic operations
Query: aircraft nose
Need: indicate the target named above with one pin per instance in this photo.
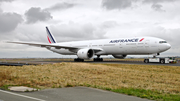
(168, 46)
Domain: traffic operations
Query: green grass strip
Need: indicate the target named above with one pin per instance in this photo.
(153, 95)
(142, 93)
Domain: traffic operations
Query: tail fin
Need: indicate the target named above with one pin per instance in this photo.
(50, 37)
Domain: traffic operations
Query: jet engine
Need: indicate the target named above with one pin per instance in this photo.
(119, 56)
(85, 53)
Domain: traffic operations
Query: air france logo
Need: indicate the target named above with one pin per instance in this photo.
(124, 40)
(141, 40)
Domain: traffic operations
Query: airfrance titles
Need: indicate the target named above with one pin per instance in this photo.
(124, 40)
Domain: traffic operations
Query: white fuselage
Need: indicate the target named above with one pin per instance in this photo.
(118, 46)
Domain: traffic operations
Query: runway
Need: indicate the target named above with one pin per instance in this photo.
(113, 62)
(67, 94)
(21, 63)
(135, 62)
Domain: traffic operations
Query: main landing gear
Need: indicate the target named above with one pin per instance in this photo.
(78, 60)
(98, 59)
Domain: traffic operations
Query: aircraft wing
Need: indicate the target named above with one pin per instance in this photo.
(44, 45)
(57, 46)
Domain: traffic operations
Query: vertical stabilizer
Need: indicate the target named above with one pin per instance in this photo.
(50, 37)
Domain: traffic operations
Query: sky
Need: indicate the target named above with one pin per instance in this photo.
(75, 20)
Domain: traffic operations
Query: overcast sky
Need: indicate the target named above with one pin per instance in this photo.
(74, 20)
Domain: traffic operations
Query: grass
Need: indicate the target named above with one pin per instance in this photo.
(153, 95)
(145, 81)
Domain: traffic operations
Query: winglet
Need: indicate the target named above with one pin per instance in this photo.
(50, 36)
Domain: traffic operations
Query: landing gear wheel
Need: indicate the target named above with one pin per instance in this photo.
(162, 61)
(78, 60)
(146, 61)
(98, 59)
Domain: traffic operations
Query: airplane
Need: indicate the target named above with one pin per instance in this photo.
(117, 47)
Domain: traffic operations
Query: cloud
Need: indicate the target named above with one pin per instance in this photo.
(6, 0)
(87, 20)
(61, 6)
(9, 21)
(157, 7)
(75, 31)
(109, 24)
(157, 1)
(35, 14)
(117, 4)
(156, 4)
(123, 4)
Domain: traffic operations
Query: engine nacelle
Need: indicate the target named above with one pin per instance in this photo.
(119, 56)
(85, 53)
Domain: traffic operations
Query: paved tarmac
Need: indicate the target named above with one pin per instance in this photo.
(135, 62)
(21, 63)
(114, 62)
(67, 94)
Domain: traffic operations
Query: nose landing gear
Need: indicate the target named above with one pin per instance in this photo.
(154, 55)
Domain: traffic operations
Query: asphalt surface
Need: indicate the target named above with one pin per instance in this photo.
(13, 64)
(21, 63)
(114, 62)
(135, 62)
(67, 94)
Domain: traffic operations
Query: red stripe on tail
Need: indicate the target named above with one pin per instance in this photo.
(48, 39)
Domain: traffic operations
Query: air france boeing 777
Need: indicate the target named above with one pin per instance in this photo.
(118, 47)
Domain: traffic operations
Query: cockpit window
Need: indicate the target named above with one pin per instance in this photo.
(162, 42)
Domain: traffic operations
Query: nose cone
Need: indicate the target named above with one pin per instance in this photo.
(168, 46)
